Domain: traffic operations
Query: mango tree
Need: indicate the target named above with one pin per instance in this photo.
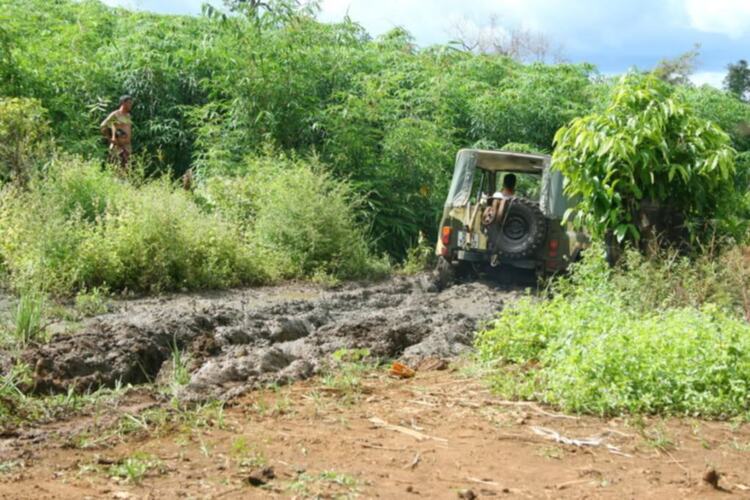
(647, 147)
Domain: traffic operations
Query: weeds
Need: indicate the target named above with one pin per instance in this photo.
(596, 347)
(92, 302)
(658, 438)
(316, 486)
(419, 257)
(246, 456)
(28, 317)
(179, 375)
(80, 229)
(344, 375)
(134, 469)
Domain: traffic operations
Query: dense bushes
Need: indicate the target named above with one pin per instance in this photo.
(80, 227)
(607, 342)
(25, 138)
(209, 90)
(298, 214)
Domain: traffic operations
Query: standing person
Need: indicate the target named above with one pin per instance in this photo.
(118, 129)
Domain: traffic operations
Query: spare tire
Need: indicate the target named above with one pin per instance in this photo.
(521, 232)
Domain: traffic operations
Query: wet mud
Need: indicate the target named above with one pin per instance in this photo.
(277, 335)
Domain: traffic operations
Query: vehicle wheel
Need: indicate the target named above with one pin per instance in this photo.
(446, 273)
(522, 232)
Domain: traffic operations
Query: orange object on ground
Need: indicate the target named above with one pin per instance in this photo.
(401, 370)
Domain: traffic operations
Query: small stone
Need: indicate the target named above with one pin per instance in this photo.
(467, 495)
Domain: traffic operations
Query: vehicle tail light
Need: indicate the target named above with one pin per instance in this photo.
(445, 235)
(553, 246)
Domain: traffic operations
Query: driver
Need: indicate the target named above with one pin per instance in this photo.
(499, 200)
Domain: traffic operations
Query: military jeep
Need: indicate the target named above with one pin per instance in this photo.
(529, 235)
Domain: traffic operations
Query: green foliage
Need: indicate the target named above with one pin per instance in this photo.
(25, 138)
(28, 317)
(78, 228)
(92, 302)
(135, 467)
(210, 90)
(419, 257)
(731, 114)
(599, 347)
(13, 402)
(737, 81)
(386, 116)
(299, 215)
(646, 145)
(344, 373)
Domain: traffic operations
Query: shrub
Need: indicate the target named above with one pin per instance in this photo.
(299, 215)
(648, 145)
(24, 137)
(80, 228)
(592, 349)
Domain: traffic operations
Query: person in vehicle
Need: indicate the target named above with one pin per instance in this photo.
(499, 200)
(118, 128)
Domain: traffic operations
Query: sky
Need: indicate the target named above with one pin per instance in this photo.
(613, 34)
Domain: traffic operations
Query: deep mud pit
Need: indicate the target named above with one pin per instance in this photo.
(273, 335)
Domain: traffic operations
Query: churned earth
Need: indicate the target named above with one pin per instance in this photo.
(236, 341)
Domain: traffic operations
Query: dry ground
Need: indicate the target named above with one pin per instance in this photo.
(440, 434)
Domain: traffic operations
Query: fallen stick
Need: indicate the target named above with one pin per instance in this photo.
(567, 484)
(593, 441)
(413, 463)
(404, 430)
(378, 447)
(482, 481)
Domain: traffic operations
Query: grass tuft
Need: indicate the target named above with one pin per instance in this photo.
(28, 317)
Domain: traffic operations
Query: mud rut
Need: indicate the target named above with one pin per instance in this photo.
(233, 347)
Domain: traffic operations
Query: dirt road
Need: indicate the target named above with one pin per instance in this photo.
(438, 435)
(289, 422)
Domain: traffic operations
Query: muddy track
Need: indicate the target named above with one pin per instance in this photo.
(234, 345)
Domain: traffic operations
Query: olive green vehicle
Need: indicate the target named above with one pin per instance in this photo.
(529, 234)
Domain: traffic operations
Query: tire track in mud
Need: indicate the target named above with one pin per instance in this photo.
(233, 348)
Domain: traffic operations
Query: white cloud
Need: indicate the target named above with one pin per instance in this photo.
(728, 17)
(712, 78)
(430, 22)
(161, 6)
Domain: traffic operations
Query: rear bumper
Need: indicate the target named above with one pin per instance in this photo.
(484, 257)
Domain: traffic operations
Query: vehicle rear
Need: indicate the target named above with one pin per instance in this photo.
(529, 236)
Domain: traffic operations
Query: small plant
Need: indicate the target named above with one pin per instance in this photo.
(246, 455)
(344, 375)
(92, 302)
(9, 466)
(419, 257)
(134, 469)
(28, 317)
(658, 438)
(179, 375)
(315, 486)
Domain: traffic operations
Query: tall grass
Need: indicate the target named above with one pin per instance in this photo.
(295, 211)
(80, 228)
(28, 317)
